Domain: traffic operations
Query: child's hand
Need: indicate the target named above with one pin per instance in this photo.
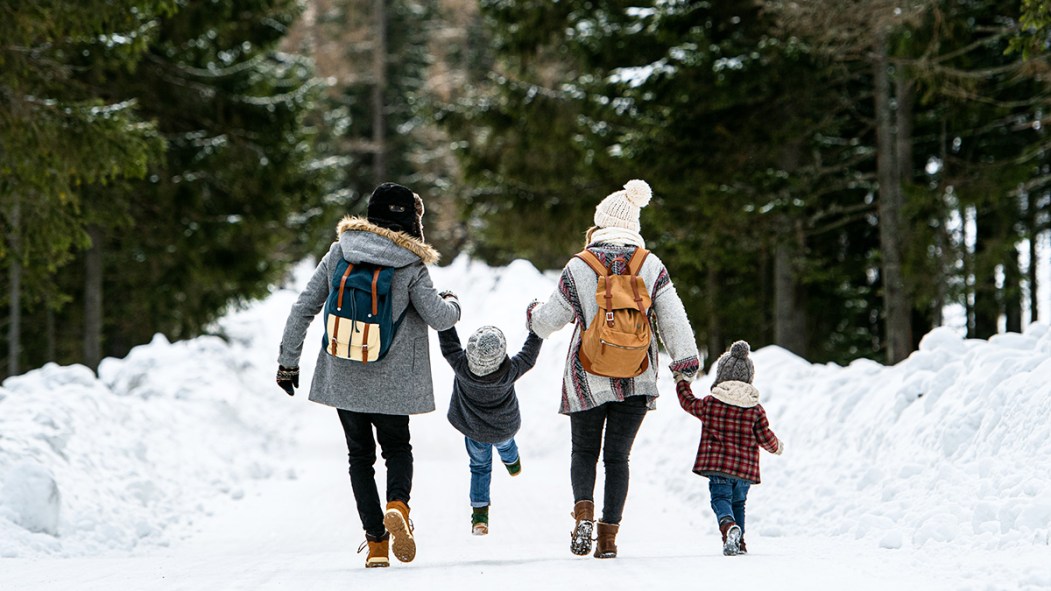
(780, 447)
(681, 377)
(683, 387)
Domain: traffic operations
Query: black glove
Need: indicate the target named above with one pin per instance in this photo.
(288, 379)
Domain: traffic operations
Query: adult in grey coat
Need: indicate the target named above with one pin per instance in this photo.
(381, 394)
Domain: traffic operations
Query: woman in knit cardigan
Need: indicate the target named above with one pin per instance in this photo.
(614, 405)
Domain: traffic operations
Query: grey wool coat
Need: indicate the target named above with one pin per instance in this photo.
(485, 408)
(400, 383)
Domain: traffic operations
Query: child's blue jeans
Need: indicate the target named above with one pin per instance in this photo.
(481, 455)
(728, 497)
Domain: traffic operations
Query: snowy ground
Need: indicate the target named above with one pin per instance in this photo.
(184, 467)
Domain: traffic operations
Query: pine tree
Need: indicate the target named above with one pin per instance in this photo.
(57, 135)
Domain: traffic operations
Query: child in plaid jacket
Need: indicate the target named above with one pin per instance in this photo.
(734, 427)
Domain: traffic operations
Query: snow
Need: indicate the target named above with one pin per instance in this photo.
(183, 466)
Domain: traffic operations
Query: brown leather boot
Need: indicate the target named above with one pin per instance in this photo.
(606, 546)
(396, 520)
(377, 556)
(743, 549)
(731, 537)
(580, 537)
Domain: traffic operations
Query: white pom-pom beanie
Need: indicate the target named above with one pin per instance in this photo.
(621, 208)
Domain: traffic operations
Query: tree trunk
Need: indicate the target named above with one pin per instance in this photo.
(14, 275)
(50, 350)
(715, 336)
(897, 309)
(379, 72)
(93, 299)
(986, 306)
(969, 273)
(1012, 290)
(789, 315)
(1032, 276)
(942, 240)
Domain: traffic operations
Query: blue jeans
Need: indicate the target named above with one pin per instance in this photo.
(481, 455)
(728, 497)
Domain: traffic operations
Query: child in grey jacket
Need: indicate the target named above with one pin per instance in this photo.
(484, 406)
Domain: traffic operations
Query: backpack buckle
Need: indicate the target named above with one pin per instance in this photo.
(609, 318)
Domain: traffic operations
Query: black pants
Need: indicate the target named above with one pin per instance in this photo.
(621, 421)
(392, 432)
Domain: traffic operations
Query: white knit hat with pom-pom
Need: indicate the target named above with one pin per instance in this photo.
(621, 209)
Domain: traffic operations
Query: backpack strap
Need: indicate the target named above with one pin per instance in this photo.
(375, 311)
(596, 265)
(339, 306)
(634, 267)
(637, 260)
(342, 285)
(592, 261)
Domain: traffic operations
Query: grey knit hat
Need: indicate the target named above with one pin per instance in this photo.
(486, 350)
(734, 365)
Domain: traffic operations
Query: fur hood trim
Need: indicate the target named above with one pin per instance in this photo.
(426, 252)
(736, 393)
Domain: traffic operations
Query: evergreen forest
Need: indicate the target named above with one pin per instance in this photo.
(836, 177)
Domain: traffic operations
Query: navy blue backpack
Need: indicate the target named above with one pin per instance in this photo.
(359, 312)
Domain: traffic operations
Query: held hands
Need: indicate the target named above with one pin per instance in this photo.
(288, 379)
(451, 297)
(529, 314)
(683, 377)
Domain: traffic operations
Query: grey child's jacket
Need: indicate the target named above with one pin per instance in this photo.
(400, 383)
(485, 408)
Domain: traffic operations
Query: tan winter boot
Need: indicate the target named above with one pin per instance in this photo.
(580, 537)
(606, 546)
(377, 551)
(396, 520)
(731, 537)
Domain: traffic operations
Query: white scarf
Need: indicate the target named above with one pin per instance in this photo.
(736, 393)
(619, 236)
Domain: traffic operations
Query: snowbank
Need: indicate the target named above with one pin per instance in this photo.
(129, 459)
(951, 447)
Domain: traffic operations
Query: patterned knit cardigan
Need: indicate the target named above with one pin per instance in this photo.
(574, 301)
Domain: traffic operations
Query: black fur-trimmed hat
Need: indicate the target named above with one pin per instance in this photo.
(397, 208)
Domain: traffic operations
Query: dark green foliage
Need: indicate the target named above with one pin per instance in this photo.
(755, 141)
(1033, 37)
(222, 212)
(219, 220)
(698, 98)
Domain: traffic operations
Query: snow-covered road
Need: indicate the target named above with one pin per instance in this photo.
(302, 533)
(184, 467)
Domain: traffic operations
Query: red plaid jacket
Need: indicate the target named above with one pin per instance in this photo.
(730, 435)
